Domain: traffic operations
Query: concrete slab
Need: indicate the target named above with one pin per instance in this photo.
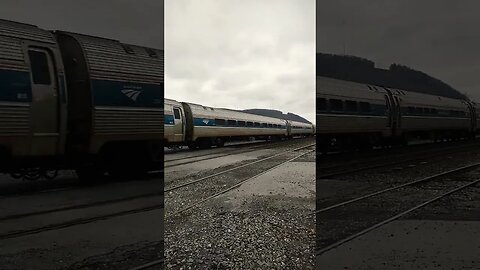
(59, 249)
(410, 244)
(292, 180)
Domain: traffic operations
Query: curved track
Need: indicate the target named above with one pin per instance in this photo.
(385, 161)
(418, 191)
(236, 181)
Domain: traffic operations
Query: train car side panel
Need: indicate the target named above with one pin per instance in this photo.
(32, 94)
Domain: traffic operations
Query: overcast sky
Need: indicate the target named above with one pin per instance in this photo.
(242, 54)
(129, 21)
(438, 37)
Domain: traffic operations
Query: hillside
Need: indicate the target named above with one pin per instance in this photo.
(356, 69)
(277, 114)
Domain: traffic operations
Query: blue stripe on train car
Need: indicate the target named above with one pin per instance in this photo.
(440, 114)
(375, 110)
(15, 86)
(203, 122)
(169, 119)
(117, 93)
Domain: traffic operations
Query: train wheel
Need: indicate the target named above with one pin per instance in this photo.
(219, 142)
(204, 144)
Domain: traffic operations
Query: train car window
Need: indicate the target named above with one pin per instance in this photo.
(249, 124)
(151, 53)
(176, 112)
(269, 125)
(231, 122)
(351, 106)
(241, 123)
(321, 104)
(128, 49)
(434, 111)
(336, 105)
(411, 110)
(220, 122)
(365, 107)
(39, 66)
(256, 124)
(264, 125)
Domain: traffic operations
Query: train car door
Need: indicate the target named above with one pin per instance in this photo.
(44, 108)
(398, 113)
(393, 110)
(473, 117)
(179, 125)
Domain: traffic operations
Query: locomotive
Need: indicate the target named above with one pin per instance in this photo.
(73, 101)
(351, 114)
(196, 125)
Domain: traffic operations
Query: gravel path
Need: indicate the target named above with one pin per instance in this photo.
(263, 224)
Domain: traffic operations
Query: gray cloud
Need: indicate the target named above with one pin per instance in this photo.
(241, 54)
(439, 37)
(137, 22)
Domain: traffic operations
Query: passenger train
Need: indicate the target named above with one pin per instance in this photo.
(360, 115)
(195, 125)
(96, 105)
(75, 101)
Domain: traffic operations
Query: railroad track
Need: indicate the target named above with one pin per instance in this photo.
(377, 163)
(156, 263)
(238, 182)
(106, 203)
(437, 182)
(382, 152)
(197, 158)
(303, 151)
(125, 210)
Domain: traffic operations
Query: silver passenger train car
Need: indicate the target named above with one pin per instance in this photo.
(350, 113)
(74, 101)
(200, 126)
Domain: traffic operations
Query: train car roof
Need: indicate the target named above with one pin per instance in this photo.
(233, 114)
(299, 123)
(171, 100)
(415, 98)
(110, 59)
(25, 31)
(346, 89)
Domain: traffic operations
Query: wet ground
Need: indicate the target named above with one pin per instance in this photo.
(264, 223)
(443, 235)
(81, 227)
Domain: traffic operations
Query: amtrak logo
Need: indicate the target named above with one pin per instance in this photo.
(132, 94)
(206, 121)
